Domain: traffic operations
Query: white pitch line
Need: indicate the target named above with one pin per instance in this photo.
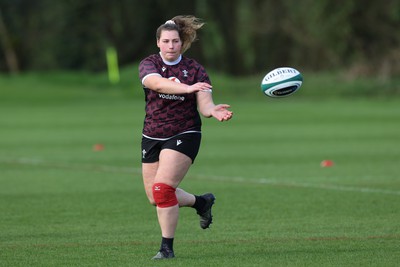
(281, 182)
(120, 169)
(72, 166)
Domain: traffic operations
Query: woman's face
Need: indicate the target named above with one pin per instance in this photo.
(170, 45)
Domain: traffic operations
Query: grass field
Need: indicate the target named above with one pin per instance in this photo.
(65, 204)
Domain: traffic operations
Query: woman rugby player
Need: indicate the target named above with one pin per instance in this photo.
(177, 90)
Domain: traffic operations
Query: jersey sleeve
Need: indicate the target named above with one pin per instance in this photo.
(147, 67)
(202, 75)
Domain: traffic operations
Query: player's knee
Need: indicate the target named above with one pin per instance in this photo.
(164, 195)
(152, 202)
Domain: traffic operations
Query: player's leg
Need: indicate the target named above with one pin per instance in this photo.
(172, 168)
(185, 199)
(167, 176)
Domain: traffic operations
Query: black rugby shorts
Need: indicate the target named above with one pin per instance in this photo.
(187, 143)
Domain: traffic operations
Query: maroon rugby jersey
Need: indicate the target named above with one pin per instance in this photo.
(168, 114)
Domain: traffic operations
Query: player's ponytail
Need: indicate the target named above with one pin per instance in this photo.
(186, 27)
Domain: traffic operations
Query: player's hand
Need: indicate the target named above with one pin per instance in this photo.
(197, 87)
(221, 112)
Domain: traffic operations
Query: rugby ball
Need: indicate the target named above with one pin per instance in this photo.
(281, 82)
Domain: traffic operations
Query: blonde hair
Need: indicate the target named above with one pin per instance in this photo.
(186, 26)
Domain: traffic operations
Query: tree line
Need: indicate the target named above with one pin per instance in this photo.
(240, 37)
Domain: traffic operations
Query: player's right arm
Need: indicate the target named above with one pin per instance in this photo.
(166, 86)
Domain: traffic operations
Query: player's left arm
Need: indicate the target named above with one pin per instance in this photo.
(208, 109)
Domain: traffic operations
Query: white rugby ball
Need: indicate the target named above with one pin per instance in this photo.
(281, 82)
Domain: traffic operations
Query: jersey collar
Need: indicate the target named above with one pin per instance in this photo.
(170, 63)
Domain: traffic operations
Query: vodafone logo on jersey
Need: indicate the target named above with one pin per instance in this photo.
(174, 79)
(172, 97)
